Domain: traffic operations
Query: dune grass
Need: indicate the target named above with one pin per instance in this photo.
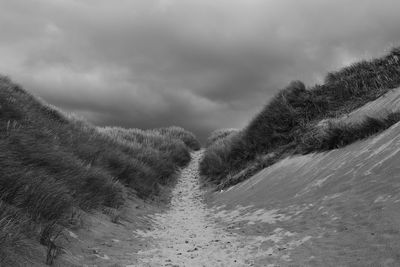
(219, 134)
(288, 121)
(13, 230)
(53, 164)
(338, 134)
(179, 133)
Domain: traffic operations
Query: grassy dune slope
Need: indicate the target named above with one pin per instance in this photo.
(339, 208)
(287, 124)
(54, 165)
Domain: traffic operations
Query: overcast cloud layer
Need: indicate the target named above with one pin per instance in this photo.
(200, 64)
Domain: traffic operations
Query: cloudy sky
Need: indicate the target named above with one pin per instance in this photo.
(200, 64)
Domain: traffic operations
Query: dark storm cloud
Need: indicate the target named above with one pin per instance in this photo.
(199, 64)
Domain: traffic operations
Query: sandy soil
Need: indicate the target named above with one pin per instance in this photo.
(190, 234)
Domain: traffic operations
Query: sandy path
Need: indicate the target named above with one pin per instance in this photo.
(187, 234)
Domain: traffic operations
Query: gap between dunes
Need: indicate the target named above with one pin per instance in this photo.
(188, 233)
